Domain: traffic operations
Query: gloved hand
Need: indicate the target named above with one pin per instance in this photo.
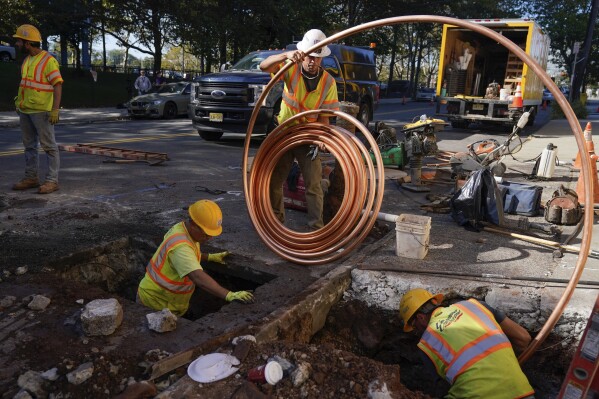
(218, 257)
(241, 296)
(313, 152)
(53, 117)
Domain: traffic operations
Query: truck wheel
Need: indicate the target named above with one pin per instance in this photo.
(210, 136)
(4, 57)
(364, 114)
(170, 111)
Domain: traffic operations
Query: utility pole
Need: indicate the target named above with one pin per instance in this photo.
(575, 50)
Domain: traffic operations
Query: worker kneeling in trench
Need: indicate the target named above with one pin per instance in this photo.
(468, 343)
(175, 269)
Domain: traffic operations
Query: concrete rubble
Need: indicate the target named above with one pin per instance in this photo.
(101, 317)
(162, 321)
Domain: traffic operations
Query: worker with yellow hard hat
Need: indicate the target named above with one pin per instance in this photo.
(37, 103)
(469, 344)
(176, 268)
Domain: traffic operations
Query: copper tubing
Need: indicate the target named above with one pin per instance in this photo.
(349, 226)
(254, 198)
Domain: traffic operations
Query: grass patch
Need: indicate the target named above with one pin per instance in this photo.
(79, 89)
(578, 107)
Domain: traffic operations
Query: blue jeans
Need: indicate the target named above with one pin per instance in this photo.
(36, 129)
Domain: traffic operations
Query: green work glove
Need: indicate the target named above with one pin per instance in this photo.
(241, 296)
(218, 257)
(53, 117)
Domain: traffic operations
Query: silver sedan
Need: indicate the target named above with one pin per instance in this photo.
(167, 101)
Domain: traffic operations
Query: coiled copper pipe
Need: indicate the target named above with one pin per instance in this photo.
(261, 197)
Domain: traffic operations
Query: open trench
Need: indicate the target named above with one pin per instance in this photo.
(347, 346)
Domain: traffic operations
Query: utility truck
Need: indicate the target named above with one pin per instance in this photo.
(478, 77)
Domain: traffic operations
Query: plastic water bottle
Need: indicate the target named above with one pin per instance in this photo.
(547, 162)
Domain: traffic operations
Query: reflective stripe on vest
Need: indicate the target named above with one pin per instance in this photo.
(291, 93)
(39, 81)
(457, 362)
(154, 268)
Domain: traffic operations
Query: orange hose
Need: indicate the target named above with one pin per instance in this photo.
(254, 198)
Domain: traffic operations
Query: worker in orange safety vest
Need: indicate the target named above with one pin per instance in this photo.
(37, 104)
(307, 86)
(469, 344)
(175, 269)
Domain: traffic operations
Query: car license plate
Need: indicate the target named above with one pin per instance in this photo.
(216, 117)
(478, 107)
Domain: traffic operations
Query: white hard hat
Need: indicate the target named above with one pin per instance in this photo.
(312, 37)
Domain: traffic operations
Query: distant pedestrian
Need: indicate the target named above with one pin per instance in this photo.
(37, 103)
(142, 83)
(160, 80)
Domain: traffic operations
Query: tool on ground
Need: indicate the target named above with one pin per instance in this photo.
(218, 257)
(563, 207)
(210, 191)
(151, 163)
(420, 141)
(527, 225)
(488, 154)
(540, 241)
(545, 166)
(114, 152)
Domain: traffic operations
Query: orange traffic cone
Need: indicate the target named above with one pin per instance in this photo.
(594, 183)
(517, 101)
(588, 139)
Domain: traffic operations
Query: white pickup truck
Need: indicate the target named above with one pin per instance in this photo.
(7, 53)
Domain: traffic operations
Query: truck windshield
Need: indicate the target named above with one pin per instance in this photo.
(251, 62)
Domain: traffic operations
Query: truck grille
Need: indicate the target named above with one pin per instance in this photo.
(237, 95)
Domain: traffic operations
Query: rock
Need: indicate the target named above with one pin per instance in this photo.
(378, 390)
(39, 302)
(7, 301)
(22, 394)
(21, 270)
(162, 321)
(101, 317)
(81, 374)
(240, 338)
(242, 349)
(50, 375)
(80, 301)
(33, 383)
(301, 373)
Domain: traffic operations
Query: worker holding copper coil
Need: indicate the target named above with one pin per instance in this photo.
(307, 86)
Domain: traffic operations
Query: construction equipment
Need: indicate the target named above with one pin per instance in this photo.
(420, 141)
(488, 154)
(113, 152)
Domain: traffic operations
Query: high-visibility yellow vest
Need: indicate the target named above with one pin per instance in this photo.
(39, 75)
(161, 286)
(469, 350)
(296, 97)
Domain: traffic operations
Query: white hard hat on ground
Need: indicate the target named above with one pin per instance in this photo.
(312, 37)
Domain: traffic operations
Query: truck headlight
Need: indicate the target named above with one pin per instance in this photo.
(257, 90)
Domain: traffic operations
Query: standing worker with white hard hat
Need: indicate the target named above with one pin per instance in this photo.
(307, 87)
(175, 269)
(37, 103)
(469, 344)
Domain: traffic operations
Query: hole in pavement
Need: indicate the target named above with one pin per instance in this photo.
(118, 267)
(377, 333)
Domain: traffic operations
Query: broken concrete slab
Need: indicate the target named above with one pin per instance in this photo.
(101, 317)
(162, 321)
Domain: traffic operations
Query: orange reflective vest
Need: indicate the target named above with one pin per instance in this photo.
(39, 75)
(469, 350)
(296, 97)
(162, 286)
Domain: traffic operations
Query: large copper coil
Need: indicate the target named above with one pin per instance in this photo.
(350, 225)
(585, 245)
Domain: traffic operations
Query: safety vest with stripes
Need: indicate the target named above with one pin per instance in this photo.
(297, 98)
(469, 350)
(39, 75)
(162, 287)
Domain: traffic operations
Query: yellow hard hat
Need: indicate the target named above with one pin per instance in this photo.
(411, 301)
(29, 33)
(208, 216)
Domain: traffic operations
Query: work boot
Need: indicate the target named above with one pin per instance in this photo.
(28, 182)
(48, 187)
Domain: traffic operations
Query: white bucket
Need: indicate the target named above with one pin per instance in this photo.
(412, 236)
(503, 93)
